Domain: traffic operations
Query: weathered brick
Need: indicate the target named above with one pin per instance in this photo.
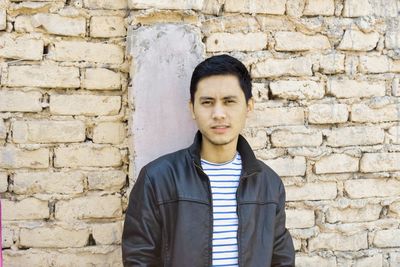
(387, 238)
(326, 190)
(3, 19)
(357, 135)
(101, 79)
(357, 8)
(327, 113)
(354, 40)
(167, 4)
(296, 41)
(86, 51)
(236, 42)
(343, 163)
(319, 7)
(257, 139)
(315, 261)
(46, 131)
(3, 182)
(295, 136)
(109, 132)
(9, 235)
(364, 113)
(340, 88)
(21, 48)
(375, 261)
(374, 64)
(350, 215)
(394, 134)
(48, 182)
(362, 188)
(394, 259)
(288, 166)
(20, 101)
(300, 218)
(26, 209)
(277, 116)
(51, 76)
(88, 208)
(392, 39)
(395, 208)
(105, 4)
(230, 24)
(259, 92)
(293, 90)
(339, 242)
(107, 233)
(385, 8)
(77, 156)
(107, 26)
(3, 130)
(375, 162)
(90, 105)
(276, 23)
(332, 63)
(396, 87)
(276, 7)
(106, 180)
(13, 157)
(300, 66)
(53, 237)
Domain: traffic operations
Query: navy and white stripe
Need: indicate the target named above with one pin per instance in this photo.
(224, 180)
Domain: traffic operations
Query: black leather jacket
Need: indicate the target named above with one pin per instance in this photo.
(169, 217)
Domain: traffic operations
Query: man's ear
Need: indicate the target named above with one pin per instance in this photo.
(250, 105)
(190, 104)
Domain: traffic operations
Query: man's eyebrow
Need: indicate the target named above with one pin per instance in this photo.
(212, 98)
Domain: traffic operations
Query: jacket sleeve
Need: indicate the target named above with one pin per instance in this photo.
(283, 254)
(141, 237)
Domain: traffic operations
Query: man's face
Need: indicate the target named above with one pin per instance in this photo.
(220, 109)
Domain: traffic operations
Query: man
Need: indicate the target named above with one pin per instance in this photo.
(213, 203)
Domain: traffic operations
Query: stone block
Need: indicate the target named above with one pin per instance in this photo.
(3, 130)
(339, 242)
(332, 63)
(357, 8)
(355, 135)
(275, 23)
(394, 134)
(300, 218)
(106, 180)
(354, 40)
(276, 116)
(107, 26)
(327, 113)
(3, 19)
(367, 188)
(296, 41)
(294, 90)
(387, 238)
(15, 101)
(374, 64)
(336, 163)
(12, 157)
(296, 137)
(315, 261)
(375, 162)
(3, 182)
(300, 66)
(360, 89)
(21, 48)
(217, 42)
(26, 209)
(166, 4)
(351, 215)
(392, 39)
(375, 261)
(107, 233)
(109, 132)
(327, 190)
(319, 7)
(275, 7)
(288, 166)
(105, 4)
(394, 258)
(101, 79)
(364, 113)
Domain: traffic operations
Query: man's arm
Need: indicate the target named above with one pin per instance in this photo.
(141, 238)
(283, 254)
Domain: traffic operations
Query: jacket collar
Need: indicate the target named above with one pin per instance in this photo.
(249, 161)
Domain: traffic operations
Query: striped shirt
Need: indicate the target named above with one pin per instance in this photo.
(224, 180)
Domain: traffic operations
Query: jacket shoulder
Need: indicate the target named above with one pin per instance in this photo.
(166, 163)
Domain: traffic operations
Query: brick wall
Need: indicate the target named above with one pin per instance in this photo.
(327, 119)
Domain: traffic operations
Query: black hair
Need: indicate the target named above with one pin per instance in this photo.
(221, 65)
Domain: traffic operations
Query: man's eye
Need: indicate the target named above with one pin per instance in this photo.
(230, 101)
(206, 102)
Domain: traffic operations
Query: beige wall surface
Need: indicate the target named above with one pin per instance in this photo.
(326, 81)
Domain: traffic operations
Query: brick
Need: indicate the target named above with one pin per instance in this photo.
(106, 180)
(105, 4)
(86, 51)
(236, 42)
(53, 237)
(296, 41)
(12, 157)
(326, 190)
(296, 137)
(364, 113)
(350, 215)
(46, 131)
(385, 8)
(107, 26)
(275, 7)
(288, 166)
(3, 19)
(29, 183)
(340, 88)
(375, 162)
(374, 64)
(394, 258)
(51, 76)
(357, 8)
(357, 135)
(315, 261)
(277, 116)
(363, 188)
(387, 238)
(354, 40)
(396, 87)
(294, 8)
(375, 261)
(101, 79)
(395, 208)
(91, 156)
(21, 48)
(394, 134)
(319, 7)
(167, 4)
(109, 132)
(211, 7)
(332, 63)
(3, 130)
(20, 101)
(9, 235)
(230, 24)
(3, 182)
(343, 163)
(260, 92)
(257, 139)
(107, 233)
(392, 39)
(26, 209)
(275, 23)
(300, 218)
(327, 113)
(300, 66)
(294, 90)
(339, 242)
(88, 208)
(89, 105)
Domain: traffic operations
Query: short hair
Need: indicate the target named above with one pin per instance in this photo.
(221, 65)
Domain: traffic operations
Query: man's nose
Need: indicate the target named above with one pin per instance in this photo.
(218, 112)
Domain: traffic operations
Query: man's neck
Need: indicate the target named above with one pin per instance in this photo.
(218, 154)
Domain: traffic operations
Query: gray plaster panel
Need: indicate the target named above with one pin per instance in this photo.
(163, 59)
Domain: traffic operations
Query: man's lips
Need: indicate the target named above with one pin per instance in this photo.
(220, 128)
